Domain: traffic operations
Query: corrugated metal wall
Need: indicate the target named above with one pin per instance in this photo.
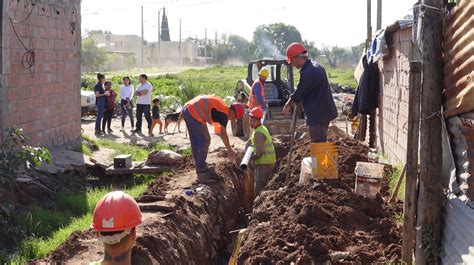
(458, 46)
(459, 59)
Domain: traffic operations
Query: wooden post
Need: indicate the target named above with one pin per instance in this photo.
(379, 14)
(409, 209)
(394, 195)
(428, 232)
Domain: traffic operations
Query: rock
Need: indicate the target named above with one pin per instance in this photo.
(339, 255)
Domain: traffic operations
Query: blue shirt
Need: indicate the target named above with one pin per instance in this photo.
(314, 93)
(257, 91)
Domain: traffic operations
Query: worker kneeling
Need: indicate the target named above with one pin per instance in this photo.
(264, 157)
(214, 111)
(115, 217)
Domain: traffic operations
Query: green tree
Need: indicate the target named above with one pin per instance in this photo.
(271, 40)
(92, 56)
(312, 50)
(334, 55)
(239, 47)
(165, 30)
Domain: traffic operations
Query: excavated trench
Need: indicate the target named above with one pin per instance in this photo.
(310, 224)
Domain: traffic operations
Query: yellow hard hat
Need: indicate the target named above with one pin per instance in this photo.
(263, 73)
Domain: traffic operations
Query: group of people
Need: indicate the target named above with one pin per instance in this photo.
(106, 101)
(117, 214)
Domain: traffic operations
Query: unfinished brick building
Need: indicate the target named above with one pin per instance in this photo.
(40, 69)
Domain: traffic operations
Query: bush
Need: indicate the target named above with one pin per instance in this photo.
(15, 156)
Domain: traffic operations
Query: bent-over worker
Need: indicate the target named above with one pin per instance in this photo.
(264, 157)
(115, 219)
(257, 95)
(313, 92)
(214, 111)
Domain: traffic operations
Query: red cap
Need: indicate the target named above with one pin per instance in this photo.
(239, 110)
(116, 211)
(293, 50)
(256, 113)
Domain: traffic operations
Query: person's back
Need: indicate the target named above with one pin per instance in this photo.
(319, 103)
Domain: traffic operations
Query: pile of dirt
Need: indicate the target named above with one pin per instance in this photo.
(320, 221)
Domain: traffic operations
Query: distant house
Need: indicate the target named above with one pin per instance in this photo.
(168, 53)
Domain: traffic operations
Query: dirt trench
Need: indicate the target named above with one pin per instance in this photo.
(318, 223)
(178, 228)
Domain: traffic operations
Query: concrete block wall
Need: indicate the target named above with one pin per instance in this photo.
(45, 99)
(392, 115)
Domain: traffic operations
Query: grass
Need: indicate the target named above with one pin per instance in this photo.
(138, 153)
(48, 228)
(83, 148)
(342, 76)
(393, 179)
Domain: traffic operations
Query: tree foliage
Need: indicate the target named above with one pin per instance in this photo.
(92, 56)
(165, 30)
(273, 39)
(335, 55)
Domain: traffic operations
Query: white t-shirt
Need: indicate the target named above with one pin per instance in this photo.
(146, 99)
(126, 92)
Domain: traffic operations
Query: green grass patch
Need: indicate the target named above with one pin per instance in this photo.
(48, 228)
(83, 148)
(393, 179)
(138, 153)
(342, 76)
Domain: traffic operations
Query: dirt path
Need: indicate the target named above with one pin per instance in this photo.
(179, 139)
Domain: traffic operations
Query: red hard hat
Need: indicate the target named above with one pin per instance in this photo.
(294, 49)
(239, 110)
(256, 113)
(116, 211)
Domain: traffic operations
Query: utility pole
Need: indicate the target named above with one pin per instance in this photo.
(180, 46)
(205, 46)
(142, 42)
(363, 118)
(159, 37)
(428, 234)
(379, 14)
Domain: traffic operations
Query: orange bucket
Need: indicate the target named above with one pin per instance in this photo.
(324, 160)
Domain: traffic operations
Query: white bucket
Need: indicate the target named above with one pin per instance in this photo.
(306, 172)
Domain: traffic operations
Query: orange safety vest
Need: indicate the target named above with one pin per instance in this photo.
(253, 102)
(200, 108)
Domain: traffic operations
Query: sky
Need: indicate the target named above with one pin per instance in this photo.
(329, 22)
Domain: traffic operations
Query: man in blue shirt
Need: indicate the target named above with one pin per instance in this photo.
(313, 92)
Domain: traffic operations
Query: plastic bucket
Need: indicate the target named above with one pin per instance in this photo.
(306, 170)
(368, 179)
(324, 160)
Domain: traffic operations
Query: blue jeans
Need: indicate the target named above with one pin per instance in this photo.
(126, 112)
(200, 139)
(100, 112)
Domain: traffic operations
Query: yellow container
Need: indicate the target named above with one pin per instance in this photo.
(324, 160)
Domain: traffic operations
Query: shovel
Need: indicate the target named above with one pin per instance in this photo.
(292, 140)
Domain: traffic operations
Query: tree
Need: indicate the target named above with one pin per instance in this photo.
(312, 50)
(92, 56)
(357, 52)
(165, 30)
(334, 55)
(271, 40)
(239, 47)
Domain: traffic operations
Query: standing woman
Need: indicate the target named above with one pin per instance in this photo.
(126, 101)
(109, 107)
(100, 101)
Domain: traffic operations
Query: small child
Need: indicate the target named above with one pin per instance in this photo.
(155, 114)
(109, 107)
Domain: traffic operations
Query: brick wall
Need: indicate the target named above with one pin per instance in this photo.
(392, 114)
(45, 99)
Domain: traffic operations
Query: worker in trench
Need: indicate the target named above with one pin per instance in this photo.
(199, 112)
(263, 157)
(115, 219)
(313, 92)
(257, 94)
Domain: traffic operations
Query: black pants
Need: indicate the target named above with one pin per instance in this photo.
(319, 132)
(107, 119)
(143, 109)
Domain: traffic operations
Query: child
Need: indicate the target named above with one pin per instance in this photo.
(155, 114)
(109, 107)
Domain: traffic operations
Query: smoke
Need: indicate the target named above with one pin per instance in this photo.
(265, 48)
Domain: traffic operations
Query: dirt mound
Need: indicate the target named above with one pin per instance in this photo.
(320, 221)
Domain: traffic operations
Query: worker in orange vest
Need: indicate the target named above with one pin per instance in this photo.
(203, 110)
(257, 95)
(115, 219)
